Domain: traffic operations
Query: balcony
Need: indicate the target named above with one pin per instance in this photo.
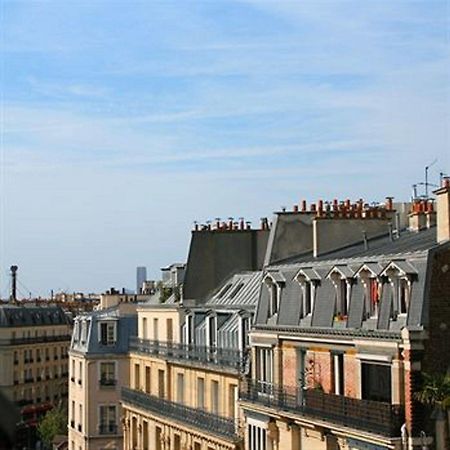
(72, 379)
(195, 354)
(29, 380)
(24, 402)
(79, 427)
(197, 418)
(72, 424)
(107, 382)
(107, 428)
(371, 416)
(35, 339)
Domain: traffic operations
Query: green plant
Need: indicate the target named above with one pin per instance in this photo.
(435, 391)
(53, 423)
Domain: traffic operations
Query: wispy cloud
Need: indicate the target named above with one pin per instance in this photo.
(119, 112)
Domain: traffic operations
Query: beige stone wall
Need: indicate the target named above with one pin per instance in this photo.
(85, 391)
(147, 432)
(32, 368)
(154, 324)
(226, 383)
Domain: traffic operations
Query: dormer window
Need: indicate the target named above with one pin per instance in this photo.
(342, 277)
(107, 333)
(274, 280)
(212, 331)
(402, 295)
(274, 300)
(368, 273)
(308, 280)
(343, 298)
(400, 275)
(373, 297)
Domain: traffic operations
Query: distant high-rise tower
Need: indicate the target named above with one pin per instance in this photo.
(141, 276)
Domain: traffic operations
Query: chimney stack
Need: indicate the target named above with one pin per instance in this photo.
(443, 210)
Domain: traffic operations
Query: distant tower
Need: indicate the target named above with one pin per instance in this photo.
(13, 297)
(141, 276)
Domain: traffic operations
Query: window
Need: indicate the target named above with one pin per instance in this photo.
(257, 437)
(107, 373)
(308, 298)
(402, 295)
(137, 376)
(215, 397)
(273, 301)
(180, 388)
(161, 390)
(264, 368)
(145, 435)
(144, 328)
(373, 297)
(190, 329)
(107, 333)
(107, 420)
(169, 327)
(147, 379)
(201, 393)
(155, 329)
(212, 331)
(342, 298)
(338, 373)
(232, 400)
(245, 326)
(80, 417)
(376, 382)
(80, 373)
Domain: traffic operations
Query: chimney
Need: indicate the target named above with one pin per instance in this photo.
(443, 210)
(417, 218)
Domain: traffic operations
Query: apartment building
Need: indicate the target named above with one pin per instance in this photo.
(34, 342)
(98, 368)
(350, 312)
(185, 367)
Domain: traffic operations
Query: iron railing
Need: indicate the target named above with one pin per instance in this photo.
(197, 418)
(35, 339)
(368, 415)
(192, 353)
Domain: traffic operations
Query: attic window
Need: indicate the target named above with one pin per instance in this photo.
(341, 276)
(274, 299)
(224, 290)
(236, 290)
(400, 275)
(308, 280)
(401, 296)
(107, 333)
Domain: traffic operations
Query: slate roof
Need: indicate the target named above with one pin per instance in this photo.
(410, 252)
(31, 316)
(241, 289)
(86, 339)
(406, 242)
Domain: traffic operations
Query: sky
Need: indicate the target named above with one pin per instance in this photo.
(122, 122)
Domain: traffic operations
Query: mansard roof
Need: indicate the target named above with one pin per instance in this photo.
(410, 254)
(86, 332)
(31, 316)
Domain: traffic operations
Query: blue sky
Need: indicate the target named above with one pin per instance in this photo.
(122, 122)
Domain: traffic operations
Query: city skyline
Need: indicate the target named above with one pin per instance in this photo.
(122, 125)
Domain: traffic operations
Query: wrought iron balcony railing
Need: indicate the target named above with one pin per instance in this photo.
(368, 415)
(35, 339)
(229, 358)
(193, 417)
